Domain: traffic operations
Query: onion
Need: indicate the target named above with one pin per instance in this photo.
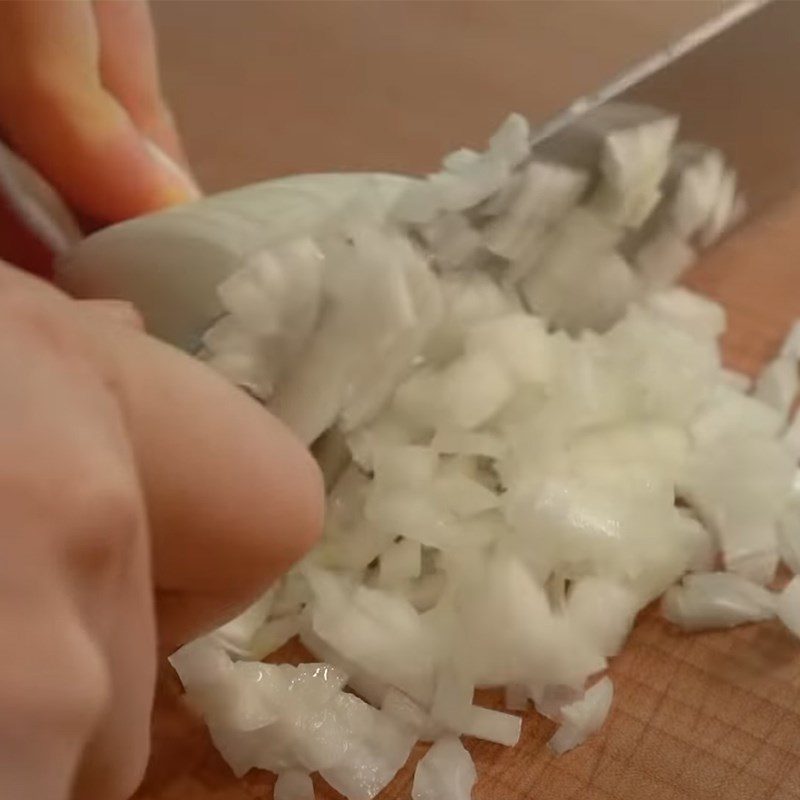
(528, 437)
(294, 785)
(777, 384)
(445, 772)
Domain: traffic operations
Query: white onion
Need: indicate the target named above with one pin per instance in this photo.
(445, 772)
(493, 726)
(789, 529)
(604, 610)
(294, 785)
(777, 384)
(685, 309)
(788, 606)
(717, 600)
(404, 710)
(739, 485)
(531, 437)
(583, 717)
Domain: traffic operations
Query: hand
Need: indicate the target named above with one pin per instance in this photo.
(80, 100)
(124, 466)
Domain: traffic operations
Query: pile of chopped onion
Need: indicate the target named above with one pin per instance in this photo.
(527, 438)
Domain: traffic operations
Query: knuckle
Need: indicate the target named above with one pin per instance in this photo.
(106, 511)
(36, 316)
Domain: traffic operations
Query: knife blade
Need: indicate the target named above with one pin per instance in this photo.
(734, 84)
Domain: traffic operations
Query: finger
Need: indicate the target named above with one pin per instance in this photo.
(76, 623)
(56, 113)
(233, 498)
(120, 312)
(129, 70)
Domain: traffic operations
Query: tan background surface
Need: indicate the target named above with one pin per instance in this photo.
(269, 88)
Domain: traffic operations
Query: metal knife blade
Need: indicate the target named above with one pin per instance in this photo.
(734, 83)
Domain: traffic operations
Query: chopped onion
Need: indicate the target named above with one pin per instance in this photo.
(604, 610)
(294, 785)
(777, 384)
(529, 436)
(717, 600)
(788, 605)
(583, 717)
(445, 772)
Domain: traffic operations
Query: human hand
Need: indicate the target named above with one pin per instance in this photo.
(143, 501)
(80, 101)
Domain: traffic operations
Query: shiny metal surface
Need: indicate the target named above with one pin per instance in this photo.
(734, 83)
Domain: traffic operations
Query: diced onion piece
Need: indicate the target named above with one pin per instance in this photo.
(716, 600)
(581, 282)
(789, 529)
(515, 697)
(723, 213)
(237, 635)
(378, 747)
(453, 441)
(696, 194)
(546, 192)
(777, 384)
(404, 466)
(663, 259)
(517, 341)
(453, 241)
(452, 699)
(583, 717)
(475, 388)
(739, 486)
(511, 141)
(404, 710)
(463, 496)
(445, 772)
(737, 380)
(604, 610)
(502, 496)
(294, 785)
(791, 437)
(788, 606)
(399, 563)
(460, 159)
(685, 309)
(201, 662)
(633, 163)
(493, 726)
(273, 635)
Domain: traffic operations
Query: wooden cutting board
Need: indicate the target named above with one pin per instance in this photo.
(695, 717)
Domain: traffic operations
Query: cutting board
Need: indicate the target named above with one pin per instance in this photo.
(695, 717)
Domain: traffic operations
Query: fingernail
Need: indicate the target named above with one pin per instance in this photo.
(187, 189)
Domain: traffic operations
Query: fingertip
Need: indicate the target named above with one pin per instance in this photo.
(180, 186)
